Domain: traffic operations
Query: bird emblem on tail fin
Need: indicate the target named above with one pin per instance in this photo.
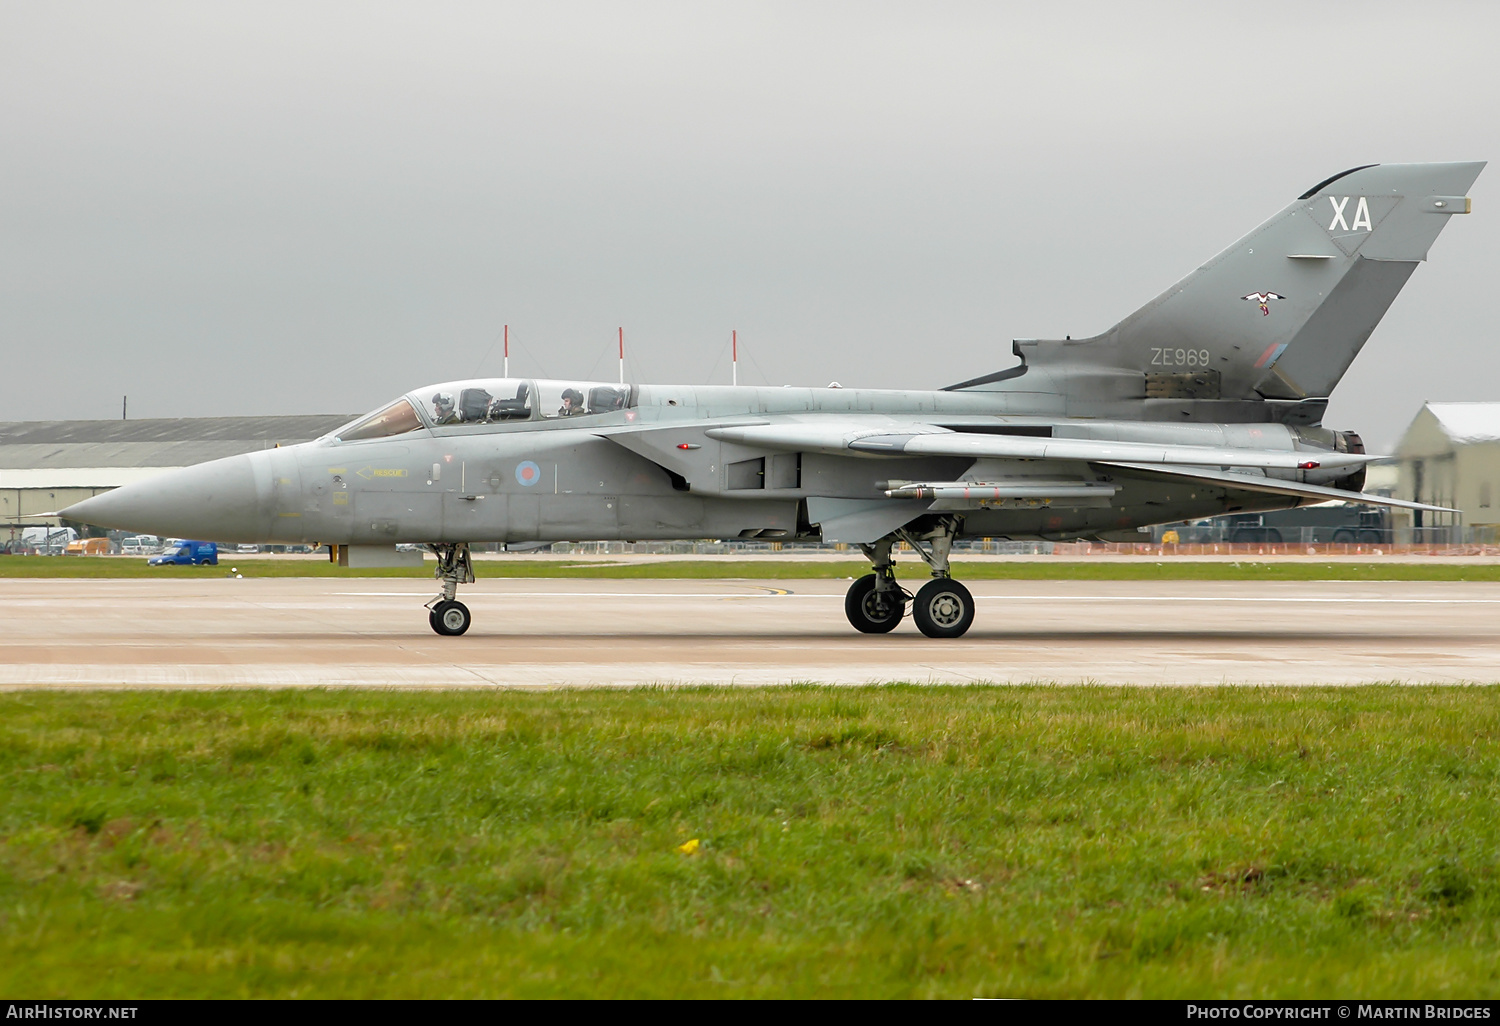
(1264, 299)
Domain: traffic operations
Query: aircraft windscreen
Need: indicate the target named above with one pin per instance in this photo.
(396, 419)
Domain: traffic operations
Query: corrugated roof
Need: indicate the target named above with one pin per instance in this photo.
(1468, 422)
(174, 442)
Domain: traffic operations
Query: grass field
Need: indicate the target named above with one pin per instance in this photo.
(894, 841)
(1103, 569)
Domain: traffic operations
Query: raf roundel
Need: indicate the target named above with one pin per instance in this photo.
(528, 473)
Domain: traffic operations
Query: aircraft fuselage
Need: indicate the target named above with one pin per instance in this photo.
(592, 477)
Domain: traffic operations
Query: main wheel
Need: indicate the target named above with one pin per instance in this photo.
(449, 618)
(943, 608)
(1343, 535)
(872, 612)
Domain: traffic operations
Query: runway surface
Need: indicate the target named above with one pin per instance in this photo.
(528, 633)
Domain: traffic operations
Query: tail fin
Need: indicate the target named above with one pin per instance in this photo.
(1283, 312)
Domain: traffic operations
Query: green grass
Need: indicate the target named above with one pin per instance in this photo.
(1101, 569)
(895, 841)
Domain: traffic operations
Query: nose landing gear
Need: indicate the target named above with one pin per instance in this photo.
(447, 615)
(449, 618)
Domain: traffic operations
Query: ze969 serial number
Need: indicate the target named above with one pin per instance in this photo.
(1179, 357)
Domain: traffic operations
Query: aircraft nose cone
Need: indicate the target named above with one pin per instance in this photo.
(216, 501)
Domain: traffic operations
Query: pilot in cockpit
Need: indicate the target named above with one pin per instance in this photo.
(572, 403)
(443, 411)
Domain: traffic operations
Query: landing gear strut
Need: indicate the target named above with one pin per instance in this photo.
(876, 603)
(445, 613)
(943, 608)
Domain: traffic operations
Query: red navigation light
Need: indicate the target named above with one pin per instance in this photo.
(1309, 465)
(688, 445)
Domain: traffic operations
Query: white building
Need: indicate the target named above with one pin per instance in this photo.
(1450, 456)
(47, 465)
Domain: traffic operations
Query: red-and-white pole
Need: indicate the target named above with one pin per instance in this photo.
(507, 351)
(622, 356)
(734, 356)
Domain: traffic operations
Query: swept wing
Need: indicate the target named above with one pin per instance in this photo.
(1275, 486)
(930, 440)
(1208, 464)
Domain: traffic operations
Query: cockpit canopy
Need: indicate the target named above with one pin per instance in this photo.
(475, 402)
(490, 401)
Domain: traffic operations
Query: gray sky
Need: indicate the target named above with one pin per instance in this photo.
(295, 208)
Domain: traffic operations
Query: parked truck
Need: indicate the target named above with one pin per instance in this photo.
(1337, 523)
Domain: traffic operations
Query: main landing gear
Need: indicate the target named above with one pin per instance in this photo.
(876, 603)
(942, 608)
(446, 614)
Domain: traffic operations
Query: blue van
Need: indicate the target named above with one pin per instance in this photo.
(188, 553)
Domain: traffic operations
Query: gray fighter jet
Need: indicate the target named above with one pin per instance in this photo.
(1208, 400)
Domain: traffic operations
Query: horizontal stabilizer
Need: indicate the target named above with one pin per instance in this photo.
(1275, 486)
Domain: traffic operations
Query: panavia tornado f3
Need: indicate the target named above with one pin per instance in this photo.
(1208, 400)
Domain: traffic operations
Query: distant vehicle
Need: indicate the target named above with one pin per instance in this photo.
(88, 547)
(247, 550)
(188, 553)
(49, 541)
(1341, 523)
(299, 550)
(139, 545)
(1251, 527)
(1371, 526)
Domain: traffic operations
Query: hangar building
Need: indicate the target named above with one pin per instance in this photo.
(46, 465)
(1450, 456)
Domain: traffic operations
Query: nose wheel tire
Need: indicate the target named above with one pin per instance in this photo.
(943, 608)
(449, 618)
(873, 612)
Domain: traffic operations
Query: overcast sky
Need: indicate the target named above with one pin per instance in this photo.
(311, 207)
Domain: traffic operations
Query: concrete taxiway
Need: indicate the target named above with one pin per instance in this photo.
(534, 632)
